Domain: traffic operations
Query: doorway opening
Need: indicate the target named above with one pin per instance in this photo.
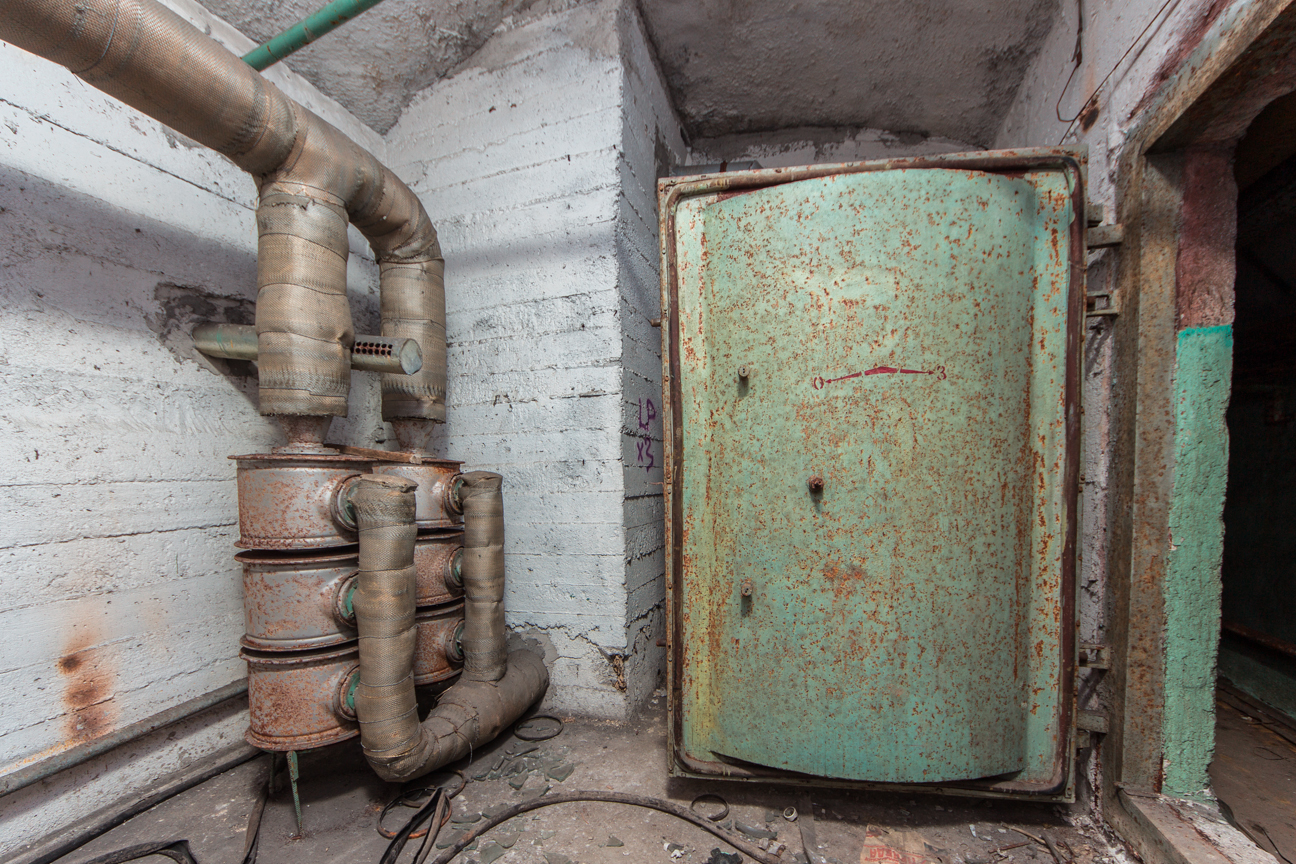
(1254, 768)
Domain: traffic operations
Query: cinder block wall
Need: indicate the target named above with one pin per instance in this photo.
(538, 163)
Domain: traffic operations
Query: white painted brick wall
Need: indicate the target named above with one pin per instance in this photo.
(122, 597)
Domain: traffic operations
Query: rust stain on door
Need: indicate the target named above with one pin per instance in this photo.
(873, 414)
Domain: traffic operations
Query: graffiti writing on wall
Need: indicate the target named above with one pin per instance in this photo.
(644, 439)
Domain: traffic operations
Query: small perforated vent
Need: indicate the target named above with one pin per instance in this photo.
(372, 349)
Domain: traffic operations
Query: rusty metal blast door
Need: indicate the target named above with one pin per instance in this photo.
(872, 377)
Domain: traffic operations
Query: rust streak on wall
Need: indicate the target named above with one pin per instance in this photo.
(89, 677)
(1174, 60)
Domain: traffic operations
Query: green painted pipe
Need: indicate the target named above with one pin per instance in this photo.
(306, 31)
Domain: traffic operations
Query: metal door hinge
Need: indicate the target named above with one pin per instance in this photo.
(1102, 236)
(1093, 656)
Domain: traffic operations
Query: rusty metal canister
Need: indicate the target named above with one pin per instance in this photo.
(438, 560)
(301, 699)
(293, 601)
(296, 500)
(436, 501)
(437, 655)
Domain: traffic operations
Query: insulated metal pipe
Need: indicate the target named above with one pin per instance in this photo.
(306, 31)
(483, 576)
(313, 180)
(384, 602)
(369, 353)
(472, 711)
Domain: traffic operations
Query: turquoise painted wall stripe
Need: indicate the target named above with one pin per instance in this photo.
(1204, 365)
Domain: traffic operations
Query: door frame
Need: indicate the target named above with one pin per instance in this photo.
(1168, 403)
(671, 191)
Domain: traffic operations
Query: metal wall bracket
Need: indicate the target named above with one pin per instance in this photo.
(1101, 305)
(1102, 236)
(1093, 656)
(1092, 721)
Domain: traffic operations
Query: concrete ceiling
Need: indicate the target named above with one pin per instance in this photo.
(374, 64)
(944, 68)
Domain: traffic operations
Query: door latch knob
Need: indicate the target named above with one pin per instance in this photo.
(816, 484)
(746, 588)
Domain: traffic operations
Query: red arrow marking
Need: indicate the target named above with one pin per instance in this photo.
(939, 372)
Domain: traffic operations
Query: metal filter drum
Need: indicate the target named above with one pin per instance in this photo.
(437, 655)
(296, 500)
(293, 601)
(300, 700)
(437, 560)
(436, 501)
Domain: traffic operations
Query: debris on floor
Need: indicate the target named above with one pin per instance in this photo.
(342, 801)
(898, 847)
(718, 857)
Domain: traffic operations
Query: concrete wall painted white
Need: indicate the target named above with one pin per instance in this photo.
(651, 143)
(122, 597)
(817, 146)
(538, 163)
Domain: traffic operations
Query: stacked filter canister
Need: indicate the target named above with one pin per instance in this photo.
(296, 523)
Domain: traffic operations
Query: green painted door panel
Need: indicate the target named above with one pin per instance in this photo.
(900, 336)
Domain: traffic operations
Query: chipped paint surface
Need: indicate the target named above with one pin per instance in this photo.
(1192, 592)
(827, 341)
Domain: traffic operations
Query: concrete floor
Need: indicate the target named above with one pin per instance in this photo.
(341, 800)
(1254, 774)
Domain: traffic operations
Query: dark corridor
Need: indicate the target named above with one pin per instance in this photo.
(1254, 772)
(1258, 652)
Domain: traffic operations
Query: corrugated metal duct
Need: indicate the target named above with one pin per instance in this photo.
(313, 180)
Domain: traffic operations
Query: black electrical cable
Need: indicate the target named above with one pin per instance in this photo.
(413, 797)
(252, 834)
(527, 732)
(658, 804)
(711, 796)
(434, 812)
(439, 817)
(1109, 74)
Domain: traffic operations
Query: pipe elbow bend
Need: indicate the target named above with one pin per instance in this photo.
(468, 715)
